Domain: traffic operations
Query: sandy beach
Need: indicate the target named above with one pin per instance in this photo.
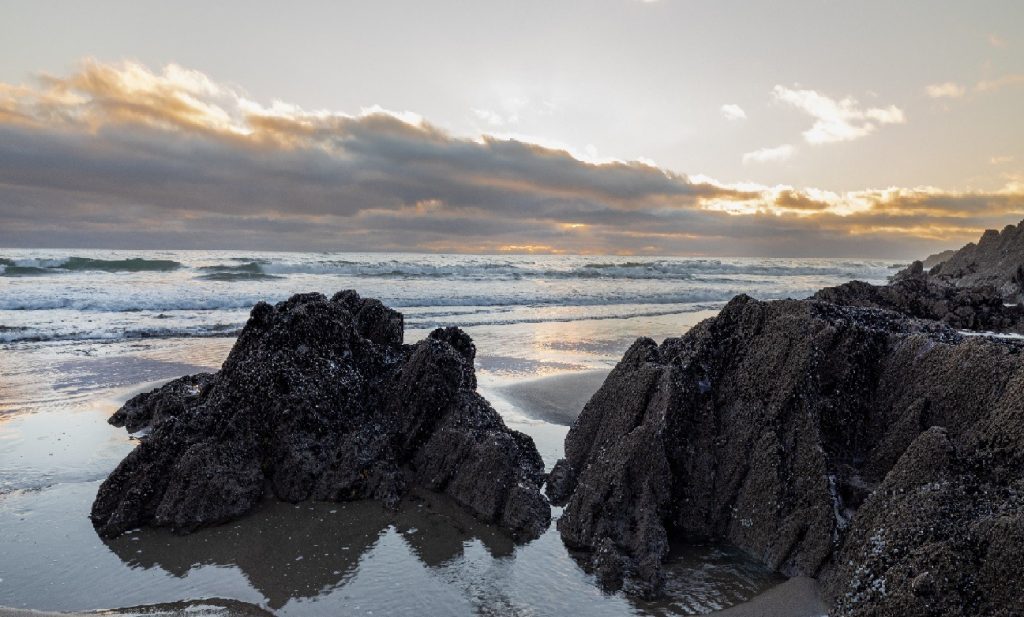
(615, 308)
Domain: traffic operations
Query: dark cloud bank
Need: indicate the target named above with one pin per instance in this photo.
(119, 156)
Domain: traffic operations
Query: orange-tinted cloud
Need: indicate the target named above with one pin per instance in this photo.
(119, 155)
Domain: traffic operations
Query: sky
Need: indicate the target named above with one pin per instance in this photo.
(804, 128)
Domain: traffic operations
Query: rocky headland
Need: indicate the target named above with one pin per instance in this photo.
(996, 260)
(871, 436)
(320, 399)
(915, 293)
(977, 287)
(935, 259)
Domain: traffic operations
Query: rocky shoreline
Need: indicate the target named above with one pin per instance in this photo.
(915, 293)
(859, 437)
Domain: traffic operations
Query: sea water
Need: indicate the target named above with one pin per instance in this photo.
(77, 295)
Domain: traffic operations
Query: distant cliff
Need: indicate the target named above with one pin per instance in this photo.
(935, 259)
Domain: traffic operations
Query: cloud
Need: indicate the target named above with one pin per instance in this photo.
(118, 155)
(947, 89)
(492, 118)
(1001, 160)
(953, 90)
(513, 106)
(998, 83)
(770, 155)
(731, 111)
(836, 121)
(790, 199)
(996, 41)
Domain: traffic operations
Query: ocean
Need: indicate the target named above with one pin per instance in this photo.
(91, 295)
(81, 331)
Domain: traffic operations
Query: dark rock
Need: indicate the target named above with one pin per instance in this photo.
(320, 400)
(880, 453)
(943, 534)
(561, 482)
(916, 294)
(161, 403)
(996, 261)
(935, 259)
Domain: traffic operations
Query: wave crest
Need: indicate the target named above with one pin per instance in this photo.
(33, 267)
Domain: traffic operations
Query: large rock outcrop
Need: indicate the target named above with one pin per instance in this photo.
(319, 399)
(996, 260)
(880, 453)
(916, 294)
(978, 287)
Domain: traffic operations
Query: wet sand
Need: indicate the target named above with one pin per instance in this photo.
(430, 557)
(557, 399)
(797, 597)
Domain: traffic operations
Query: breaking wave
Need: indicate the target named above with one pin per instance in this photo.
(638, 270)
(181, 302)
(37, 266)
(250, 271)
(254, 269)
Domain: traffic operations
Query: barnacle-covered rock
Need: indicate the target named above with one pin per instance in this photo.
(320, 399)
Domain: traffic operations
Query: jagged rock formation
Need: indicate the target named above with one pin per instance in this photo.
(936, 258)
(880, 453)
(151, 408)
(319, 399)
(997, 260)
(915, 294)
(978, 287)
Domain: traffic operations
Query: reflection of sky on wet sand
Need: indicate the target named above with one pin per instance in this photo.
(69, 374)
(42, 449)
(353, 558)
(325, 558)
